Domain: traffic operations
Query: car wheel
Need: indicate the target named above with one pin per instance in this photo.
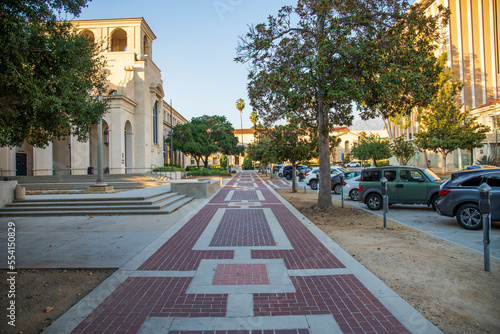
(434, 202)
(337, 188)
(374, 202)
(280, 175)
(288, 177)
(354, 194)
(314, 184)
(469, 217)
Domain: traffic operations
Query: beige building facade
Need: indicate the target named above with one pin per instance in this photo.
(472, 45)
(136, 124)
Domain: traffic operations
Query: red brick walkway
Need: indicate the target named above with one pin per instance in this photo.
(242, 248)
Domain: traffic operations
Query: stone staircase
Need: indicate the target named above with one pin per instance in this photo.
(82, 182)
(125, 203)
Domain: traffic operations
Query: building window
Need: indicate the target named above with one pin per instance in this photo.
(119, 40)
(88, 34)
(155, 123)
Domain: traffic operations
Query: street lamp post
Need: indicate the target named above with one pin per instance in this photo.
(171, 137)
(100, 185)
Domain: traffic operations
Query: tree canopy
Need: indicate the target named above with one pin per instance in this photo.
(372, 148)
(50, 75)
(292, 143)
(444, 127)
(403, 149)
(320, 59)
(206, 135)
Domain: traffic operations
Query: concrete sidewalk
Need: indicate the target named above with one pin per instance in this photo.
(244, 262)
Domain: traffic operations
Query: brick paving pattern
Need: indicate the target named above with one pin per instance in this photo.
(243, 228)
(241, 274)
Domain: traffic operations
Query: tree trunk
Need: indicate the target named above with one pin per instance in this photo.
(426, 159)
(294, 177)
(198, 163)
(374, 162)
(324, 178)
(443, 168)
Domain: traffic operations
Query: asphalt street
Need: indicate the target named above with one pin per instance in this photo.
(423, 218)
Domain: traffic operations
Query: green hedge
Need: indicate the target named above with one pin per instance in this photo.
(168, 169)
(208, 172)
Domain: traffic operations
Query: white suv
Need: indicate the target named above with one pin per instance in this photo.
(353, 164)
(312, 176)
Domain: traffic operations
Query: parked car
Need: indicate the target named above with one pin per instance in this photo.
(351, 187)
(288, 170)
(303, 172)
(353, 164)
(276, 168)
(337, 182)
(459, 196)
(478, 167)
(312, 176)
(280, 171)
(406, 185)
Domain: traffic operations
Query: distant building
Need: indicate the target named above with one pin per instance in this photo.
(138, 120)
(472, 46)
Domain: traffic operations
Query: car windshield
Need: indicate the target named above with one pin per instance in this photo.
(431, 175)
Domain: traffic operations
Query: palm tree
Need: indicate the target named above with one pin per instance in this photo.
(240, 105)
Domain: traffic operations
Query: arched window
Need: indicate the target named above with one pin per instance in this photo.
(155, 123)
(88, 33)
(347, 148)
(113, 92)
(146, 47)
(119, 40)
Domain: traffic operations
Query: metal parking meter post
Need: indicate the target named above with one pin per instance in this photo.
(385, 199)
(342, 192)
(485, 207)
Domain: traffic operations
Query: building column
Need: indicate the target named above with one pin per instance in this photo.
(80, 156)
(8, 161)
(116, 143)
(42, 160)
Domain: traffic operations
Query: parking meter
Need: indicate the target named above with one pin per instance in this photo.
(485, 207)
(383, 183)
(385, 199)
(342, 191)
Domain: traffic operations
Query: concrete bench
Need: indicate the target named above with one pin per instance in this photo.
(7, 191)
(202, 188)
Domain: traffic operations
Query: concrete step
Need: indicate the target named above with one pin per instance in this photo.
(127, 200)
(82, 182)
(162, 203)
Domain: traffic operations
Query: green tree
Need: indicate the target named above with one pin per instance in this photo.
(372, 148)
(51, 76)
(292, 143)
(403, 149)
(443, 126)
(322, 57)
(260, 150)
(240, 105)
(203, 136)
(223, 161)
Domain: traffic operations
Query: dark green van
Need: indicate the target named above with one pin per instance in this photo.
(406, 185)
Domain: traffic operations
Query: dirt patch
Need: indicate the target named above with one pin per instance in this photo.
(42, 296)
(446, 283)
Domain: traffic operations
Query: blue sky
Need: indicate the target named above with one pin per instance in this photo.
(195, 48)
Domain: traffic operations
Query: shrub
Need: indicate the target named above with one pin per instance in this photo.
(208, 172)
(191, 168)
(484, 160)
(168, 169)
(247, 164)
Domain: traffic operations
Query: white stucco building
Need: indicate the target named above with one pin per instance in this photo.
(136, 124)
